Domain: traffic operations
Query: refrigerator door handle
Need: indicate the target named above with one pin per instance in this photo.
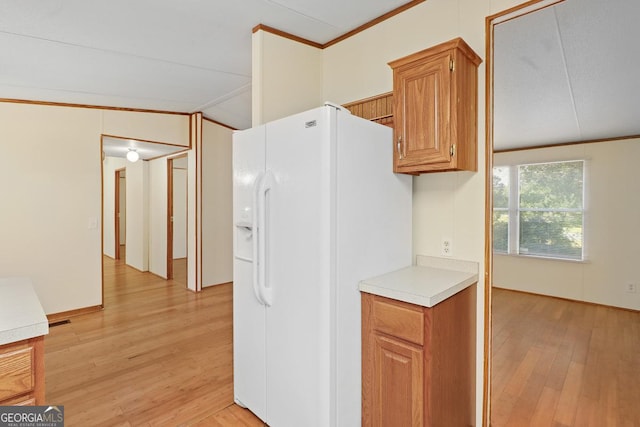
(256, 237)
(264, 289)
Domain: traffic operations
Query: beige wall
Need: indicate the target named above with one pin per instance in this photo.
(217, 205)
(50, 178)
(179, 213)
(137, 253)
(611, 232)
(50, 187)
(109, 167)
(158, 216)
(287, 80)
(168, 128)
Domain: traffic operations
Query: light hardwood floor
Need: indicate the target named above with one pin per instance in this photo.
(561, 363)
(157, 355)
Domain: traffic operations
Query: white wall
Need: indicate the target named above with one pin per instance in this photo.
(137, 254)
(157, 216)
(447, 204)
(287, 80)
(217, 205)
(109, 166)
(179, 213)
(123, 209)
(611, 233)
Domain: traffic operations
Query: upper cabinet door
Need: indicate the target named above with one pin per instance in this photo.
(422, 112)
(435, 109)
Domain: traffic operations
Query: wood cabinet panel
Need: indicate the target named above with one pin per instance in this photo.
(22, 372)
(377, 108)
(423, 115)
(435, 109)
(406, 383)
(401, 320)
(16, 372)
(398, 376)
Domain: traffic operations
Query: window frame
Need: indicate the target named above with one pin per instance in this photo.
(514, 211)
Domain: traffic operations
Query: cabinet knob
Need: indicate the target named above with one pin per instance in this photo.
(399, 145)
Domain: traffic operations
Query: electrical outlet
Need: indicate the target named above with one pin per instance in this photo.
(632, 288)
(446, 249)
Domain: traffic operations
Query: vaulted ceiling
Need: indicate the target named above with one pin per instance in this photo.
(567, 73)
(170, 55)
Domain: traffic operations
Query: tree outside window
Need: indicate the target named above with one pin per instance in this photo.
(501, 209)
(549, 209)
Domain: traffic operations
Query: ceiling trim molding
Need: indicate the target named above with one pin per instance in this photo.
(520, 10)
(286, 35)
(146, 140)
(178, 154)
(586, 141)
(345, 36)
(215, 122)
(373, 22)
(95, 107)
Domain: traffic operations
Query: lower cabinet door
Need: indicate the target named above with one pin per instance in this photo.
(398, 383)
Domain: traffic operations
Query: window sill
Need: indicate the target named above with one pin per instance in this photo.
(540, 257)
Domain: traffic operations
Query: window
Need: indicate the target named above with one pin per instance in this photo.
(501, 209)
(539, 209)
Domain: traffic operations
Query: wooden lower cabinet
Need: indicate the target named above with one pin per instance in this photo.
(22, 372)
(418, 363)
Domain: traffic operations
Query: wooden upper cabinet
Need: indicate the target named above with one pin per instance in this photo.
(435, 109)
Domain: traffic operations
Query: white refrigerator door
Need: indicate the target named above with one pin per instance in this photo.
(249, 332)
(298, 236)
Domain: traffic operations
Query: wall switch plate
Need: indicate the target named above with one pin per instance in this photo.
(446, 248)
(632, 288)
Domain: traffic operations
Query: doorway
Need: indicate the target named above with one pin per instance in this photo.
(556, 326)
(120, 216)
(177, 259)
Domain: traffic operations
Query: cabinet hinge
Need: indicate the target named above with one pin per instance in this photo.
(452, 150)
(451, 64)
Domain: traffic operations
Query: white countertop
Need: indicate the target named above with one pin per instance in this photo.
(429, 282)
(21, 315)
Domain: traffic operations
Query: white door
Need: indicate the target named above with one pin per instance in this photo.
(298, 238)
(249, 331)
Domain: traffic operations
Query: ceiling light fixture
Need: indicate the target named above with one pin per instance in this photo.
(133, 155)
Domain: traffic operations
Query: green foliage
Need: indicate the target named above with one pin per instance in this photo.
(557, 234)
(550, 205)
(501, 231)
(501, 187)
(551, 185)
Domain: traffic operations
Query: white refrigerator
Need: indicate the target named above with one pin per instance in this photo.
(316, 209)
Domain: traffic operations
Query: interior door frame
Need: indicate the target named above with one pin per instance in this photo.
(490, 22)
(118, 176)
(170, 218)
(170, 187)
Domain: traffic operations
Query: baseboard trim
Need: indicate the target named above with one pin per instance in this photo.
(215, 284)
(64, 315)
(567, 299)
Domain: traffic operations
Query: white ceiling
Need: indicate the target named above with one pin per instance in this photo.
(565, 73)
(568, 73)
(169, 55)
